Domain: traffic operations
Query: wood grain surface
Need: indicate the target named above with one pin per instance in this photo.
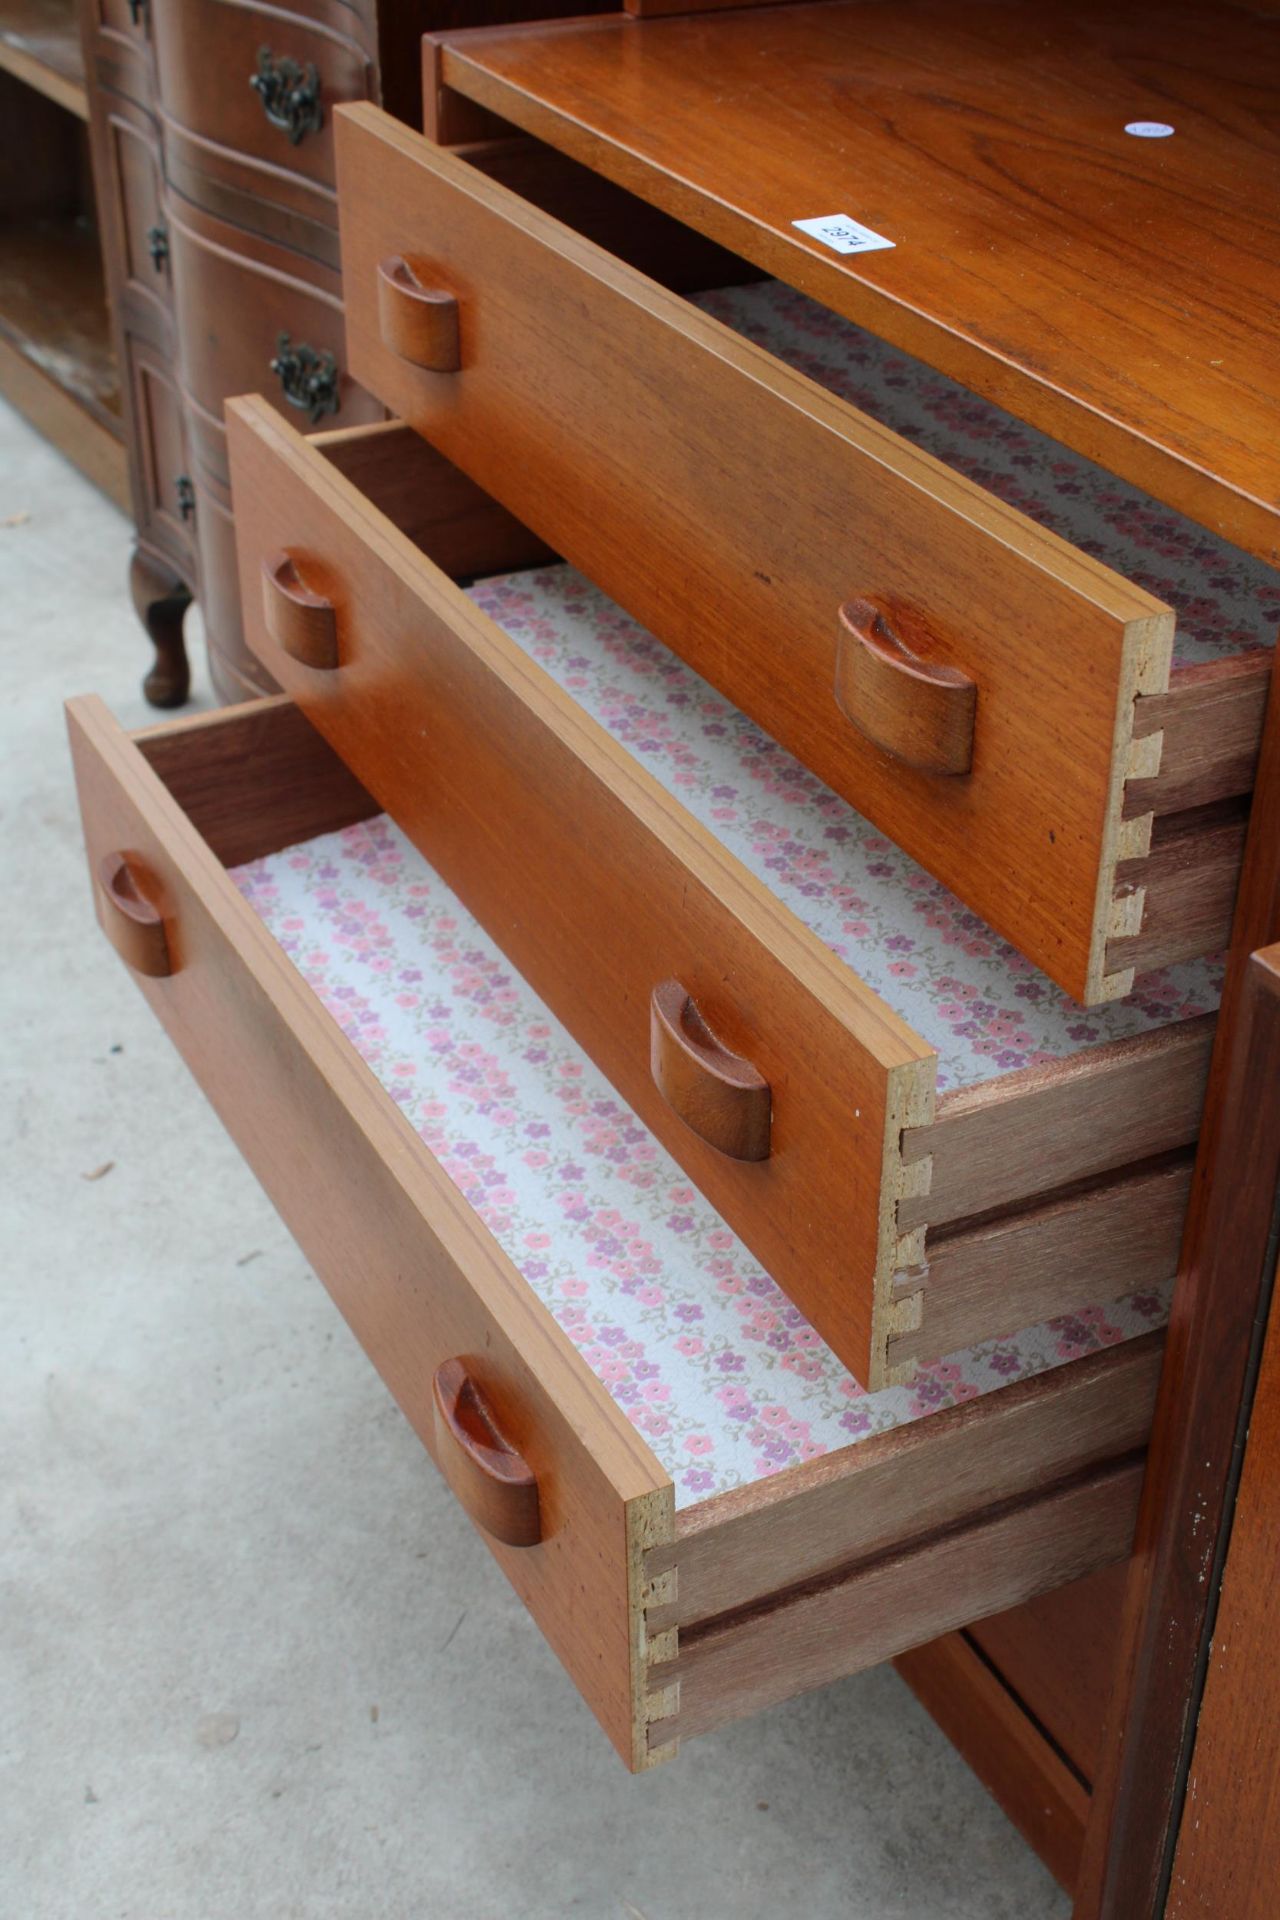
(40, 47)
(430, 500)
(1227, 1865)
(204, 72)
(1025, 1267)
(422, 1283)
(495, 1486)
(1057, 1654)
(1024, 1697)
(407, 1261)
(717, 1093)
(1104, 1108)
(1032, 1782)
(1225, 1274)
(893, 1488)
(919, 712)
(836, 1210)
(733, 507)
(741, 1664)
(254, 788)
(1041, 254)
(650, 9)
(598, 885)
(1189, 880)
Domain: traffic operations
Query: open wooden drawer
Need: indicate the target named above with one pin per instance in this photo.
(992, 696)
(568, 779)
(676, 1599)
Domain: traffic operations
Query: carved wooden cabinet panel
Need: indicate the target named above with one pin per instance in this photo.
(212, 131)
(162, 502)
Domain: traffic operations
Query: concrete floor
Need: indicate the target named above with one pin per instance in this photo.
(253, 1662)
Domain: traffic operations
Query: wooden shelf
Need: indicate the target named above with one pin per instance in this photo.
(40, 45)
(1119, 292)
(56, 360)
(53, 308)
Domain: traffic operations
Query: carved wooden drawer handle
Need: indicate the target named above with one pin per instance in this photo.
(497, 1488)
(133, 926)
(915, 709)
(301, 622)
(717, 1093)
(419, 323)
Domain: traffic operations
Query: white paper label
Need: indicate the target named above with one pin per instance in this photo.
(1149, 129)
(837, 230)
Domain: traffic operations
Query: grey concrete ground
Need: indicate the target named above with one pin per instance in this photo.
(253, 1663)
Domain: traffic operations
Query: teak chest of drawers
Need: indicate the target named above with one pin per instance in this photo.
(585, 977)
(904, 1227)
(743, 1599)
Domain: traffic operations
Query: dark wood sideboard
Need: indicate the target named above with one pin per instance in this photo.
(212, 137)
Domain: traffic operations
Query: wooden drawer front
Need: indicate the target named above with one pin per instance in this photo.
(160, 449)
(119, 16)
(235, 298)
(237, 674)
(406, 1260)
(599, 887)
(208, 55)
(669, 1624)
(133, 192)
(734, 509)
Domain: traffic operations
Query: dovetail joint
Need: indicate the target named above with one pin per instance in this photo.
(905, 1311)
(663, 1704)
(1119, 908)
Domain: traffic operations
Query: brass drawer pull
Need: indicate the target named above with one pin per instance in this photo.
(290, 94)
(308, 380)
(419, 323)
(302, 623)
(131, 923)
(717, 1093)
(498, 1489)
(918, 711)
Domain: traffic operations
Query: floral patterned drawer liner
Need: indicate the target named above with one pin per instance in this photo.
(720, 1373)
(1226, 601)
(984, 1008)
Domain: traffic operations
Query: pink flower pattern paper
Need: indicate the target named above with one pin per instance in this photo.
(716, 1368)
(969, 994)
(1226, 600)
(718, 1371)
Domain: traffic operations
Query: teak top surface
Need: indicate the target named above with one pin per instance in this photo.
(1117, 291)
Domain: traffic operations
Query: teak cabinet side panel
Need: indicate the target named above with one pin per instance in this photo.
(893, 1488)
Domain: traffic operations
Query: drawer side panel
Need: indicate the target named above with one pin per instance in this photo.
(881, 1610)
(893, 1489)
